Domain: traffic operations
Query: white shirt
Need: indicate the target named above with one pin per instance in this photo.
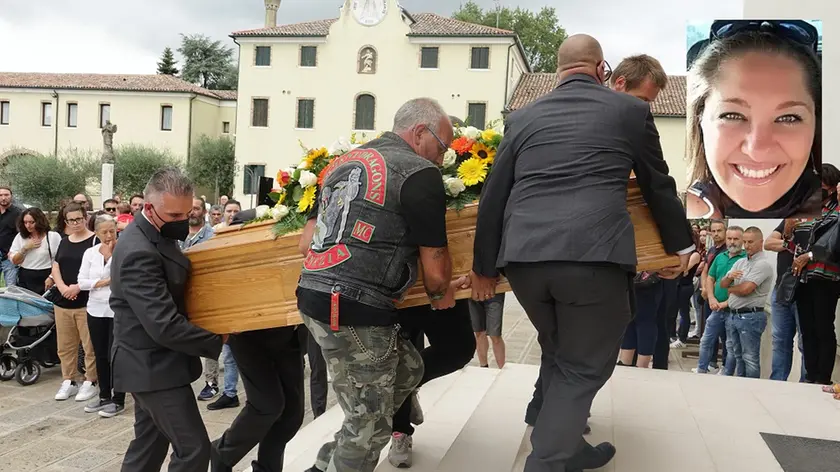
(40, 258)
(93, 269)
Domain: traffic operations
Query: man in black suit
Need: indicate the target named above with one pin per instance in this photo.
(270, 363)
(156, 349)
(553, 217)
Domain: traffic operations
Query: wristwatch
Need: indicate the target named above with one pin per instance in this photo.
(810, 255)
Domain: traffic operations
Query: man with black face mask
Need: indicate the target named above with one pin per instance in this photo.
(156, 349)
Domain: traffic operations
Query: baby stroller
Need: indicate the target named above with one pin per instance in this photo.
(30, 343)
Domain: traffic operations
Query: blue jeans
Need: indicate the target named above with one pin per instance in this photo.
(10, 272)
(743, 341)
(715, 328)
(785, 327)
(231, 372)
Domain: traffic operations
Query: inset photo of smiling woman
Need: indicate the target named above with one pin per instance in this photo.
(753, 113)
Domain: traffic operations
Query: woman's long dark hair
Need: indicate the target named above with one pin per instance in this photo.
(42, 225)
(703, 75)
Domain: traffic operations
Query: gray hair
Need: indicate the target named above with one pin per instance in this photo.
(102, 219)
(419, 111)
(169, 180)
(217, 208)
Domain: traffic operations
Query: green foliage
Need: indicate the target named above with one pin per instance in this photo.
(207, 63)
(135, 164)
(167, 63)
(292, 222)
(43, 181)
(463, 199)
(539, 32)
(213, 164)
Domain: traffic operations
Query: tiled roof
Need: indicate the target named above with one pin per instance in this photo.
(113, 82)
(670, 102)
(426, 24)
(225, 94)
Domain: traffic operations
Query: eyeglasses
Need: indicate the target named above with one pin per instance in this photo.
(75, 221)
(443, 147)
(111, 209)
(607, 71)
(797, 31)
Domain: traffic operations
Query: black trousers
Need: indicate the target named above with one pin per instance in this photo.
(102, 338)
(318, 381)
(161, 418)
(816, 302)
(33, 280)
(668, 308)
(270, 363)
(451, 346)
(684, 295)
(580, 312)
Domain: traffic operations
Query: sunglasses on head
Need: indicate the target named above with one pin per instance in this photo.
(798, 31)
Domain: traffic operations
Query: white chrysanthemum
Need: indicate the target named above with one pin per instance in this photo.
(471, 132)
(449, 157)
(307, 179)
(262, 211)
(279, 212)
(453, 185)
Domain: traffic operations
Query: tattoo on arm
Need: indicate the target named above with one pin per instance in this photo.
(439, 253)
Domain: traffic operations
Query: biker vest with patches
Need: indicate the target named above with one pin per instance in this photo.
(361, 248)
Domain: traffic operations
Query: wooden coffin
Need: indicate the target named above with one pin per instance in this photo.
(244, 278)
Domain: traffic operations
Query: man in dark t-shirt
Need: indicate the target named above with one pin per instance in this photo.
(9, 215)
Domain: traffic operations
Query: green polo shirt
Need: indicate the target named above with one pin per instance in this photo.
(720, 267)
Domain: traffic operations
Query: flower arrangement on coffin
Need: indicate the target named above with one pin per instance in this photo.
(466, 165)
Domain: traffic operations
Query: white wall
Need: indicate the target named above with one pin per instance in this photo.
(334, 83)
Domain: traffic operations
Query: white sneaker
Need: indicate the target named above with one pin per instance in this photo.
(67, 390)
(677, 344)
(88, 391)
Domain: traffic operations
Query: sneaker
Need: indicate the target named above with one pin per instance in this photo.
(416, 415)
(677, 344)
(97, 404)
(88, 391)
(68, 389)
(111, 410)
(209, 392)
(400, 453)
(223, 402)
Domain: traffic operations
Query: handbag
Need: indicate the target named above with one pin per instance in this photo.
(786, 288)
(54, 295)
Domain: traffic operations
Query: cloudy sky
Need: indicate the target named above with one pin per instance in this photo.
(107, 36)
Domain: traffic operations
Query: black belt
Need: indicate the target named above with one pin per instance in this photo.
(740, 311)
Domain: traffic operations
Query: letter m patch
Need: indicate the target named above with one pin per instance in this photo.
(363, 231)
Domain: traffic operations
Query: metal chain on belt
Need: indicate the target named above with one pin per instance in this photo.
(392, 345)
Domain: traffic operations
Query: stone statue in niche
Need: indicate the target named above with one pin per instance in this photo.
(367, 61)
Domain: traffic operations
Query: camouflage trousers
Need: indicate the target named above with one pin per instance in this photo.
(374, 370)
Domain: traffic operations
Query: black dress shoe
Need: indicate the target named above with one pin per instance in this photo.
(224, 401)
(256, 467)
(591, 457)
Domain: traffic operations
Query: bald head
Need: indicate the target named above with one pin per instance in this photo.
(579, 53)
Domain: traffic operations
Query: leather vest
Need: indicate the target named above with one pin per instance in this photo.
(361, 248)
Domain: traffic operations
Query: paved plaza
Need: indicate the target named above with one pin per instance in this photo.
(38, 433)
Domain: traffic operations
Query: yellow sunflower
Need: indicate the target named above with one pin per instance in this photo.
(308, 199)
(472, 171)
(488, 134)
(314, 154)
(482, 152)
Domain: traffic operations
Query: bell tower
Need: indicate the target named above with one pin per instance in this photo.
(271, 7)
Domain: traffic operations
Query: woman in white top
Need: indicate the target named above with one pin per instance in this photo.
(33, 249)
(95, 277)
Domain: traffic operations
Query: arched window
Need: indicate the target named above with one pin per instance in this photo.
(365, 112)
